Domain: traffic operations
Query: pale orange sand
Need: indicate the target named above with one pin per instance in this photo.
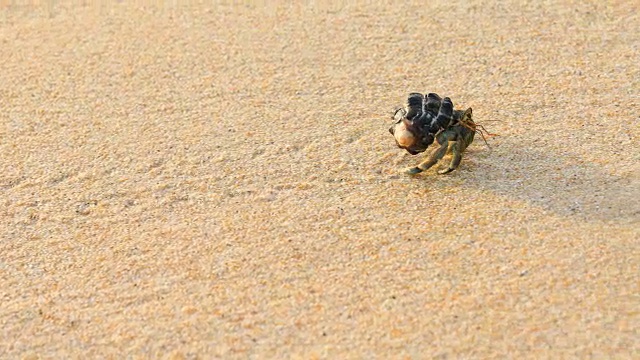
(218, 181)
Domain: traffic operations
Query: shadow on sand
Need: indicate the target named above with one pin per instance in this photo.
(562, 183)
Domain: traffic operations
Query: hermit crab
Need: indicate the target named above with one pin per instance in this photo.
(427, 119)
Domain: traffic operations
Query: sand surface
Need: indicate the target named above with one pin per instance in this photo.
(218, 181)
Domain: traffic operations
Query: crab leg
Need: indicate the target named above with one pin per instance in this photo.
(431, 160)
(455, 161)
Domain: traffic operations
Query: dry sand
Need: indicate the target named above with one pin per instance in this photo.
(201, 181)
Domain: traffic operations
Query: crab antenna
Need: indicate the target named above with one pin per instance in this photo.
(479, 129)
(486, 131)
(484, 139)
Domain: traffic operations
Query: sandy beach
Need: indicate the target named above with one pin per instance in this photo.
(198, 181)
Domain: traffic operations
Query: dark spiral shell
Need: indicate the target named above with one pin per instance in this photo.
(433, 103)
(414, 105)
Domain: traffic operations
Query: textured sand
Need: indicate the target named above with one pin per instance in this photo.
(218, 181)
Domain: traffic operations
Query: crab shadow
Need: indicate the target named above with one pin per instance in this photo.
(565, 184)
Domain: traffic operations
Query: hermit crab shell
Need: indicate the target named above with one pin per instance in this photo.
(415, 105)
(404, 137)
